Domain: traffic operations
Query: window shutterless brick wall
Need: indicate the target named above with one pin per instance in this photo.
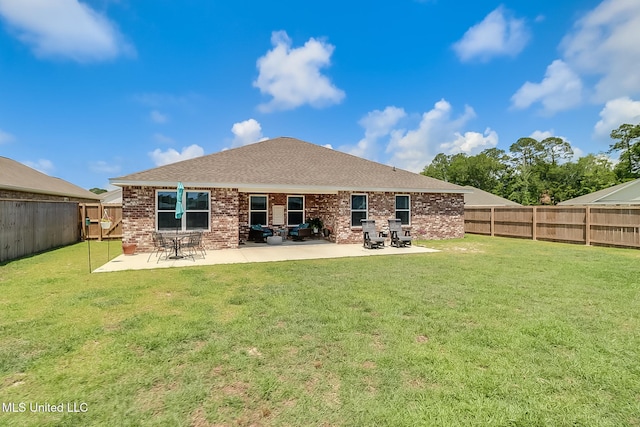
(433, 216)
(139, 211)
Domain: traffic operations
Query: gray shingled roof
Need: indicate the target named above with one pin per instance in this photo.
(17, 177)
(287, 164)
(627, 193)
(483, 198)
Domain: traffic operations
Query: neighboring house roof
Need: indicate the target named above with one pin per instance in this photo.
(15, 176)
(482, 198)
(112, 197)
(627, 193)
(287, 164)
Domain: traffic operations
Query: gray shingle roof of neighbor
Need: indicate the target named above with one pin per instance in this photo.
(482, 198)
(17, 177)
(287, 164)
(627, 193)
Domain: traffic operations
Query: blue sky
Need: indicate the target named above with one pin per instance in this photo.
(95, 89)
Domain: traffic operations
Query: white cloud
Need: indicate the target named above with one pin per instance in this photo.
(162, 138)
(470, 142)
(160, 157)
(41, 165)
(291, 76)
(599, 55)
(615, 113)
(64, 28)
(157, 117)
(414, 149)
(6, 137)
(499, 34)
(438, 130)
(377, 124)
(606, 42)
(246, 132)
(561, 89)
(539, 135)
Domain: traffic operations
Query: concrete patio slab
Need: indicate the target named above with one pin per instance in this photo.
(257, 253)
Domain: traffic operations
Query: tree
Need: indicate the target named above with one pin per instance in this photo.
(628, 145)
(97, 190)
(439, 167)
(527, 156)
(590, 173)
(488, 171)
(527, 151)
(556, 149)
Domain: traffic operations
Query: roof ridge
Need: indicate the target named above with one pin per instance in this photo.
(286, 162)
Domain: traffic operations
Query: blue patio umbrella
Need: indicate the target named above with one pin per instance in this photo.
(179, 209)
(179, 213)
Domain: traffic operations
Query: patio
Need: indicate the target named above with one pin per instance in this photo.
(258, 252)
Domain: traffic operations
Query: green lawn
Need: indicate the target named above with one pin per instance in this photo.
(490, 331)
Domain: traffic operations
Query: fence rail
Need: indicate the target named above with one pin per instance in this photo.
(30, 226)
(589, 225)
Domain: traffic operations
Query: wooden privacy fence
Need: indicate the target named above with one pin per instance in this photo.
(589, 225)
(95, 212)
(30, 226)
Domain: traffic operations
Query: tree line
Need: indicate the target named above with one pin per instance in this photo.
(542, 172)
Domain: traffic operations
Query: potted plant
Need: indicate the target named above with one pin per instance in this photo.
(316, 224)
(105, 221)
(129, 248)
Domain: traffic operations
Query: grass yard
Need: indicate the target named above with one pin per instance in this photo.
(490, 331)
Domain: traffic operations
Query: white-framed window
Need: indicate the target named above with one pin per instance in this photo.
(403, 208)
(258, 210)
(196, 206)
(295, 210)
(359, 205)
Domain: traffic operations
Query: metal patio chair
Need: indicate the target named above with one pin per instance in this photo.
(161, 246)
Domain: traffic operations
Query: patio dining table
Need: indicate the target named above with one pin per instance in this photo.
(176, 240)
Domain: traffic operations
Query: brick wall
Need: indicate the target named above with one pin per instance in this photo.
(433, 216)
(139, 217)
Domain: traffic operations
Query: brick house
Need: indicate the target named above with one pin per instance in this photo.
(282, 182)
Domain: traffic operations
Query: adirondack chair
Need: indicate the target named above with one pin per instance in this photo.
(371, 239)
(398, 237)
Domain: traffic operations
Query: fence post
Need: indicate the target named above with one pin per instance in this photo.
(83, 215)
(587, 226)
(99, 219)
(534, 225)
(492, 219)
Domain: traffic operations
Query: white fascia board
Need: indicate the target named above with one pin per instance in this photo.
(283, 188)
